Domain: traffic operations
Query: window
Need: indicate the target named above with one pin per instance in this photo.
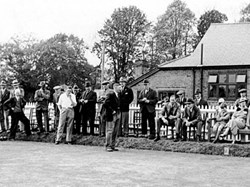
(226, 85)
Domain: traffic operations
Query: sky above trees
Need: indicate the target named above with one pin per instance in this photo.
(83, 18)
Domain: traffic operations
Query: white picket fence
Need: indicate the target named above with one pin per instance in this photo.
(134, 116)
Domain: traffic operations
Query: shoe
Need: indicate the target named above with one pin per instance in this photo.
(126, 136)
(69, 143)
(151, 137)
(108, 149)
(184, 139)
(157, 138)
(57, 142)
(11, 139)
(115, 149)
(142, 136)
(176, 140)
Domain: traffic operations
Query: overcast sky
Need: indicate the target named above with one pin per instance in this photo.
(83, 18)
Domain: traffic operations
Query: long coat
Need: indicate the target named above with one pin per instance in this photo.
(151, 96)
(88, 107)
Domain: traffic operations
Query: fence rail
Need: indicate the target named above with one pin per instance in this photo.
(134, 117)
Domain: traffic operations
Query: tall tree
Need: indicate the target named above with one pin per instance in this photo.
(245, 14)
(123, 35)
(211, 16)
(173, 30)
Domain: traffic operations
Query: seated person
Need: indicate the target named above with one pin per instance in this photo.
(170, 115)
(240, 120)
(222, 118)
(191, 117)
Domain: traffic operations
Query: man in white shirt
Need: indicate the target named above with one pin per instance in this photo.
(66, 103)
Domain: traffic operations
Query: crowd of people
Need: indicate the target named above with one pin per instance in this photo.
(74, 111)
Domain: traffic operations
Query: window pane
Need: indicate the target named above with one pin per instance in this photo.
(232, 91)
(212, 91)
(222, 90)
(241, 78)
(223, 78)
(231, 78)
(212, 79)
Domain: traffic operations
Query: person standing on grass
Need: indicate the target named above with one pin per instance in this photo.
(126, 97)
(5, 95)
(147, 100)
(66, 104)
(56, 96)
(16, 105)
(112, 108)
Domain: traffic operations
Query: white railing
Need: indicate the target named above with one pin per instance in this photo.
(209, 112)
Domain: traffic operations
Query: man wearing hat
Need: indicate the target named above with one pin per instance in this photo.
(126, 97)
(181, 98)
(243, 95)
(191, 117)
(147, 100)
(4, 96)
(88, 108)
(77, 118)
(102, 97)
(56, 96)
(41, 97)
(199, 101)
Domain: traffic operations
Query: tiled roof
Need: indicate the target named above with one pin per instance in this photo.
(223, 45)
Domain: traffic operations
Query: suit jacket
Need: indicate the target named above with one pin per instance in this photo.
(111, 105)
(202, 102)
(11, 103)
(173, 110)
(126, 97)
(151, 96)
(42, 99)
(88, 107)
(4, 97)
(194, 116)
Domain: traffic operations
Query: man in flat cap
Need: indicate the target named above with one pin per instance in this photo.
(88, 108)
(191, 117)
(102, 97)
(126, 97)
(147, 100)
(243, 95)
(42, 96)
(4, 96)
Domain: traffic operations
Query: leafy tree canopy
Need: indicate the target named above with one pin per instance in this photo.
(245, 14)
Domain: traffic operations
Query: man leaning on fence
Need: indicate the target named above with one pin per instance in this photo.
(41, 97)
(66, 104)
(170, 115)
(147, 100)
(191, 117)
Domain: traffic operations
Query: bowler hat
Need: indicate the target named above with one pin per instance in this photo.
(180, 92)
(87, 84)
(15, 82)
(123, 79)
(145, 81)
(3, 83)
(189, 100)
(197, 92)
(105, 82)
(242, 90)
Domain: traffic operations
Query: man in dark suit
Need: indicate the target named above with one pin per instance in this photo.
(16, 105)
(77, 118)
(5, 95)
(191, 117)
(181, 98)
(147, 100)
(88, 108)
(199, 101)
(112, 110)
(170, 115)
(126, 97)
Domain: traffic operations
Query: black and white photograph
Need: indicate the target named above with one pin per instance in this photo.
(124, 93)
